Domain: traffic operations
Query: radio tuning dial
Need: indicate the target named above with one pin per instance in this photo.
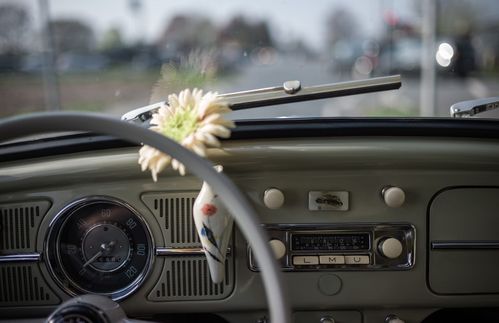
(390, 248)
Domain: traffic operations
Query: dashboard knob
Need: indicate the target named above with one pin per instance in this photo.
(393, 196)
(278, 247)
(393, 319)
(327, 319)
(273, 198)
(390, 248)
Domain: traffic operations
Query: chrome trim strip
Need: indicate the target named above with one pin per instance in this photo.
(166, 252)
(464, 245)
(21, 257)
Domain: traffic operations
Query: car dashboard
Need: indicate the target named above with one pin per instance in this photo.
(371, 220)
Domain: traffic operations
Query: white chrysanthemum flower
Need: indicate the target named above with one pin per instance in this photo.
(193, 120)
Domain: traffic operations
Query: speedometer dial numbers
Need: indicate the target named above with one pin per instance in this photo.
(101, 246)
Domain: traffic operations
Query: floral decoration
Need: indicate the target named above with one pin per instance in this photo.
(191, 118)
(209, 209)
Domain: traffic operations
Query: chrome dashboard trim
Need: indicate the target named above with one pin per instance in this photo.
(165, 251)
(21, 257)
(464, 245)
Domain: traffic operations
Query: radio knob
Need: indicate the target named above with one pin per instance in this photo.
(393, 196)
(273, 198)
(390, 248)
(278, 247)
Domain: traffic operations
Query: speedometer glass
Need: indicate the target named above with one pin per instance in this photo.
(99, 245)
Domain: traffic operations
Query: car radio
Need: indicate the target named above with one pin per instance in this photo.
(377, 246)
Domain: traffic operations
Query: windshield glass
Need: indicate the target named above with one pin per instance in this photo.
(116, 55)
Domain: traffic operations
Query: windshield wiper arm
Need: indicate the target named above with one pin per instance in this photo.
(289, 92)
(292, 91)
(473, 107)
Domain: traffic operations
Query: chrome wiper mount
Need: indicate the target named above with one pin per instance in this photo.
(289, 92)
(473, 107)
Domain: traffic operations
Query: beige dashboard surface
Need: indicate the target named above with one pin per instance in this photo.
(362, 166)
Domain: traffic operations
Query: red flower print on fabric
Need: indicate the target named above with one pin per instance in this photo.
(209, 209)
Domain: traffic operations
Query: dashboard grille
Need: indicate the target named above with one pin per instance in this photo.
(23, 285)
(189, 279)
(18, 225)
(174, 211)
(184, 277)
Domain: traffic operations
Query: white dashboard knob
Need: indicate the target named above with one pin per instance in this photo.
(278, 247)
(393, 196)
(393, 319)
(391, 248)
(273, 198)
(327, 319)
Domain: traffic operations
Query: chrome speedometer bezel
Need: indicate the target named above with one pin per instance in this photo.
(53, 256)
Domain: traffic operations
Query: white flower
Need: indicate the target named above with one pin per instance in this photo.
(193, 120)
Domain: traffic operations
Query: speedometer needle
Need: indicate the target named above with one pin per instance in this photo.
(103, 248)
(91, 260)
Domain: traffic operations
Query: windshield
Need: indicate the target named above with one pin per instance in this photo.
(116, 55)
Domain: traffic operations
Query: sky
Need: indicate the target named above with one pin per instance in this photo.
(288, 19)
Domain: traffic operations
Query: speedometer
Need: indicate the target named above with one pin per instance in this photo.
(99, 245)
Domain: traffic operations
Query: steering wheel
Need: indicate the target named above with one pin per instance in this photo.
(234, 200)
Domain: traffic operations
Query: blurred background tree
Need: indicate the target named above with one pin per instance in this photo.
(72, 36)
(15, 25)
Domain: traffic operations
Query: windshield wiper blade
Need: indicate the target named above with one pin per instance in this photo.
(289, 92)
(473, 107)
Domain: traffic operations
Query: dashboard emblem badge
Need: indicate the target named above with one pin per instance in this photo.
(328, 201)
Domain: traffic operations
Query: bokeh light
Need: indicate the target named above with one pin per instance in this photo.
(444, 54)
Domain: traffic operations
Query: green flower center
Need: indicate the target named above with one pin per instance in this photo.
(180, 125)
